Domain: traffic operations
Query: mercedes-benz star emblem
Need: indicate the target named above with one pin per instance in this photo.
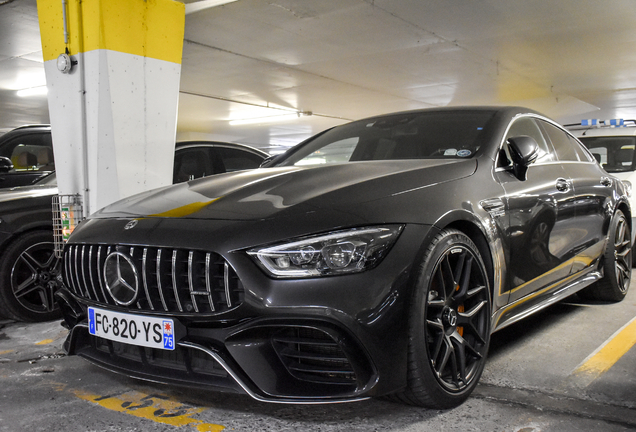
(131, 224)
(121, 278)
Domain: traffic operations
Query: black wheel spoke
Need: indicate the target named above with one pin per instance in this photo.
(446, 355)
(31, 262)
(460, 356)
(467, 321)
(464, 281)
(27, 287)
(438, 336)
(447, 278)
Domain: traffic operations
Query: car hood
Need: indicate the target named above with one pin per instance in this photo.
(267, 192)
(22, 192)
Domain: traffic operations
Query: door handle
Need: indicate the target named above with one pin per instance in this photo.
(606, 181)
(562, 185)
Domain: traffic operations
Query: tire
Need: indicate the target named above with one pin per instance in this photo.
(29, 276)
(449, 327)
(616, 264)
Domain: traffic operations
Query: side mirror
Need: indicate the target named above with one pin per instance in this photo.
(5, 164)
(524, 150)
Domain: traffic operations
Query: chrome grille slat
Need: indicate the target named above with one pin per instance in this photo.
(207, 280)
(226, 284)
(144, 263)
(83, 267)
(193, 293)
(175, 289)
(159, 287)
(98, 266)
(201, 282)
(90, 270)
(67, 271)
(76, 273)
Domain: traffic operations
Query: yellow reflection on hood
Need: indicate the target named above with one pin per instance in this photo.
(184, 210)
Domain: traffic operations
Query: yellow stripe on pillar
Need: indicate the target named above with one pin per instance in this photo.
(150, 28)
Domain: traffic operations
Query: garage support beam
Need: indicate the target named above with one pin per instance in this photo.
(113, 114)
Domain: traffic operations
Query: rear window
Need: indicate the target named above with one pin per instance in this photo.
(615, 154)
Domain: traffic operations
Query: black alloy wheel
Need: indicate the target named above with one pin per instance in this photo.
(29, 277)
(450, 324)
(616, 264)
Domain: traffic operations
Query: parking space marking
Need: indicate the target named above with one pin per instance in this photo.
(44, 342)
(601, 360)
(156, 407)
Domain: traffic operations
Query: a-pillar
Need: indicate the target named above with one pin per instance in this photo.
(113, 113)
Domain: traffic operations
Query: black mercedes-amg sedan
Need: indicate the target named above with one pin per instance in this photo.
(374, 259)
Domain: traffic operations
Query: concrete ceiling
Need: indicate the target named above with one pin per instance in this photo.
(347, 59)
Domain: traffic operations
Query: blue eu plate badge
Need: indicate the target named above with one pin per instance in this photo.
(168, 335)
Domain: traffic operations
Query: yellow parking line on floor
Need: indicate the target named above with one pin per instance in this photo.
(44, 342)
(156, 407)
(600, 361)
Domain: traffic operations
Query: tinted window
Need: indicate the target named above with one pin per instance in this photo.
(191, 163)
(236, 159)
(615, 154)
(442, 134)
(30, 152)
(561, 142)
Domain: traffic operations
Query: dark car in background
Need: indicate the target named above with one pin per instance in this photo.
(28, 268)
(373, 259)
(26, 155)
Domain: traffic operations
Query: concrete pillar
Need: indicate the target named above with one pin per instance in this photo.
(113, 114)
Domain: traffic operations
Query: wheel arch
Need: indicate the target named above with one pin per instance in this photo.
(24, 230)
(471, 225)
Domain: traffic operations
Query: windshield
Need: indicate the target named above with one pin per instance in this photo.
(414, 135)
(614, 153)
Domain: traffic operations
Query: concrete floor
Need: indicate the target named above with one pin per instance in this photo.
(529, 385)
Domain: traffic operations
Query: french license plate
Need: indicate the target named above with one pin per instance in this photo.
(132, 329)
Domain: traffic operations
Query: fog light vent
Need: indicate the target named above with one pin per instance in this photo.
(312, 355)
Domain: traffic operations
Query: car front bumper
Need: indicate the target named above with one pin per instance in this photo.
(314, 340)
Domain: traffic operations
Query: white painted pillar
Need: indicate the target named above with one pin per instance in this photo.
(113, 115)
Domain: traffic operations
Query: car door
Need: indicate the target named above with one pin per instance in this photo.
(592, 189)
(538, 217)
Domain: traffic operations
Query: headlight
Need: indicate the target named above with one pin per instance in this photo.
(348, 251)
(628, 187)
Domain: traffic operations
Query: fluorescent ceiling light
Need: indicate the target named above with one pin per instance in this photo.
(267, 119)
(33, 91)
(204, 4)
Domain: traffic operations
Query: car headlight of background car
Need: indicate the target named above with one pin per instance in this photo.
(347, 251)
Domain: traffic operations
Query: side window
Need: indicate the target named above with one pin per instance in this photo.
(581, 152)
(561, 142)
(32, 152)
(527, 127)
(190, 164)
(237, 160)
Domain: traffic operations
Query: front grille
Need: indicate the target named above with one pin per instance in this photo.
(312, 355)
(169, 280)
